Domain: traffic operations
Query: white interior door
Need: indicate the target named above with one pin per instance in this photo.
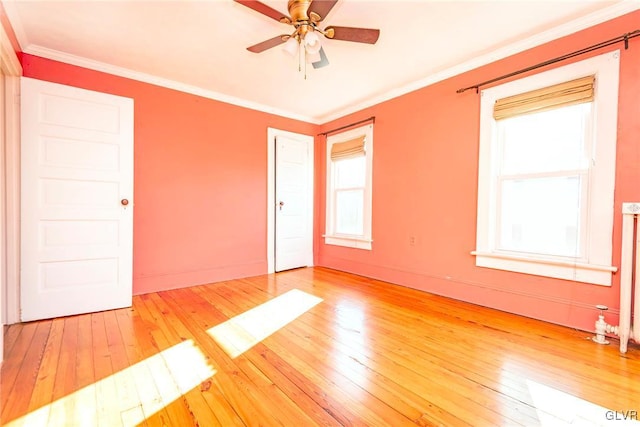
(294, 202)
(77, 200)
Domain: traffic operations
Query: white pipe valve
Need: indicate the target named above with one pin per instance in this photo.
(601, 326)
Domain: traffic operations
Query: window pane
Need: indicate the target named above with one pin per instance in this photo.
(547, 141)
(349, 212)
(350, 172)
(541, 216)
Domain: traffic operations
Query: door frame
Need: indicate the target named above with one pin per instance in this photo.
(272, 133)
(10, 198)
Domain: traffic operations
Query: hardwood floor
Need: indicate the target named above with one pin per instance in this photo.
(331, 349)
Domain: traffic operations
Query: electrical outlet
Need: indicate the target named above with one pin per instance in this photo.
(412, 240)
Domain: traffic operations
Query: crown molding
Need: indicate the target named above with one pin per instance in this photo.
(159, 81)
(595, 18)
(603, 15)
(33, 49)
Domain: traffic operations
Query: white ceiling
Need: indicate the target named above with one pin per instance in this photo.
(200, 46)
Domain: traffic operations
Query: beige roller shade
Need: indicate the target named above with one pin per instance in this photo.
(556, 96)
(347, 149)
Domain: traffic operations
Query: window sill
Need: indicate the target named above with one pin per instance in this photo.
(560, 269)
(349, 242)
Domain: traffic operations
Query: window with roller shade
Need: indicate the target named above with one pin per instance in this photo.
(547, 172)
(349, 188)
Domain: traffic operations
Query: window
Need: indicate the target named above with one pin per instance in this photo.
(349, 165)
(547, 172)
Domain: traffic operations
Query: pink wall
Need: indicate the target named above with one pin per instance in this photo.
(425, 185)
(200, 187)
(200, 180)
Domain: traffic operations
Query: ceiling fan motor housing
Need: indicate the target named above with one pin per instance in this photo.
(298, 10)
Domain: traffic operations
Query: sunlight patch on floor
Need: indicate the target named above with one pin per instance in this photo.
(245, 330)
(129, 396)
(351, 330)
(556, 408)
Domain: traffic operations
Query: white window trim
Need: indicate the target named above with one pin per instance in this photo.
(595, 269)
(330, 238)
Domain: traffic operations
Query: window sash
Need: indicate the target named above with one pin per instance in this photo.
(335, 190)
(583, 156)
(360, 212)
(349, 172)
(581, 254)
(582, 170)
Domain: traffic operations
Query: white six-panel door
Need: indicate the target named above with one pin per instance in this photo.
(76, 200)
(294, 202)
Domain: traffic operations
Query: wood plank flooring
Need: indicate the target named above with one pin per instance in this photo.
(363, 352)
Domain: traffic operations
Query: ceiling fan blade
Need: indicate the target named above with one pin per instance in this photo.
(267, 44)
(322, 7)
(323, 60)
(359, 35)
(263, 9)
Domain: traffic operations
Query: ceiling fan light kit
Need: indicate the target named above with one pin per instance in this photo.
(312, 43)
(305, 16)
(291, 46)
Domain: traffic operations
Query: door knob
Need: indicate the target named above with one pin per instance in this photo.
(281, 204)
(124, 202)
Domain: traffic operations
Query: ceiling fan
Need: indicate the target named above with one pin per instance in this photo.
(305, 17)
